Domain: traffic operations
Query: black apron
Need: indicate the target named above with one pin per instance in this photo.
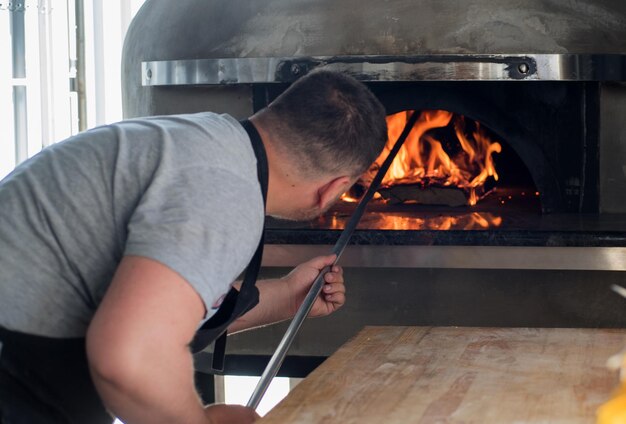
(236, 303)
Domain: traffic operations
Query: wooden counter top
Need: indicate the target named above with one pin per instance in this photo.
(458, 375)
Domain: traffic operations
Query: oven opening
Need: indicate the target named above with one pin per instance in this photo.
(486, 161)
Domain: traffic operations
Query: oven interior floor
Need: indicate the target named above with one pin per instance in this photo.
(508, 216)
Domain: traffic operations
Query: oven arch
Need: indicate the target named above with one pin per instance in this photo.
(521, 140)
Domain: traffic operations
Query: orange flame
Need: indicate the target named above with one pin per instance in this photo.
(348, 199)
(423, 159)
(391, 221)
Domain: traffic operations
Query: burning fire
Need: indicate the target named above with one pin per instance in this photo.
(424, 162)
(471, 221)
(386, 221)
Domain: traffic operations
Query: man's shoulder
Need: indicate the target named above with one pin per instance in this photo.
(205, 119)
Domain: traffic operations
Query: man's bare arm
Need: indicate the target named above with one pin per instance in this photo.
(279, 299)
(137, 346)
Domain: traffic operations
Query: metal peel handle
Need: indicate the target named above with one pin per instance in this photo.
(279, 355)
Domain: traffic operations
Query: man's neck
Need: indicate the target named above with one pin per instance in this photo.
(281, 181)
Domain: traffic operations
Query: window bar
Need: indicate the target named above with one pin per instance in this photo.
(99, 61)
(18, 52)
(46, 73)
(79, 80)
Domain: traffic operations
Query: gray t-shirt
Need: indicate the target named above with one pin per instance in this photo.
(182, 190)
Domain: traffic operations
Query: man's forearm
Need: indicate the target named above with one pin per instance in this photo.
(275, 305)
(280, 299)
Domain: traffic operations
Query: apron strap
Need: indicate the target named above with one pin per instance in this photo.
(236, 303)
(262, 168)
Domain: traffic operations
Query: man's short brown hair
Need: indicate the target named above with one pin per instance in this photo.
(329, 122)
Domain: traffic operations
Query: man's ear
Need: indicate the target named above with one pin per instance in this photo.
(330, 191)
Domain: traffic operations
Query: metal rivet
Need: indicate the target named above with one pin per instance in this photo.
(295, 69)
(523, 68)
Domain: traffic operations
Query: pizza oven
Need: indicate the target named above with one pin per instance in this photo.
(508, 207)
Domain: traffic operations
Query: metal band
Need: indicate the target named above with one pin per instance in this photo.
(14, 6)
(23, 5)
(530, 67)
(468, 257)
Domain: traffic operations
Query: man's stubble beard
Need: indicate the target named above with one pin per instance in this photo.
(305, 214)
(300, 215)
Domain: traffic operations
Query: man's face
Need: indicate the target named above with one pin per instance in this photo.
(305, 214)
(300, 214)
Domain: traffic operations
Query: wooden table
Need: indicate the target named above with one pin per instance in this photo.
(458, 375)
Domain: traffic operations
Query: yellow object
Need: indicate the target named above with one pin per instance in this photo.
(614, 410)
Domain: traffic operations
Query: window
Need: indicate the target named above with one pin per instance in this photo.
(59, 71)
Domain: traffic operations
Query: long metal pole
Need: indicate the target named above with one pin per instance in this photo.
(279, 355)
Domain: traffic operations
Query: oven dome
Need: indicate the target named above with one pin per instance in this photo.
(190, 29)
(194, 29)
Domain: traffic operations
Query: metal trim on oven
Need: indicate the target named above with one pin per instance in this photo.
(537, 67)
(468, 257)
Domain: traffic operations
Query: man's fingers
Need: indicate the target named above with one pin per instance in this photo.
(322, 261)
(333, 277)
(334, 288)
(336, 269)
(337, 299)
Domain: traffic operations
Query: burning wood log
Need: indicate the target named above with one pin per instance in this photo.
(429, 195)
(443, 162)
